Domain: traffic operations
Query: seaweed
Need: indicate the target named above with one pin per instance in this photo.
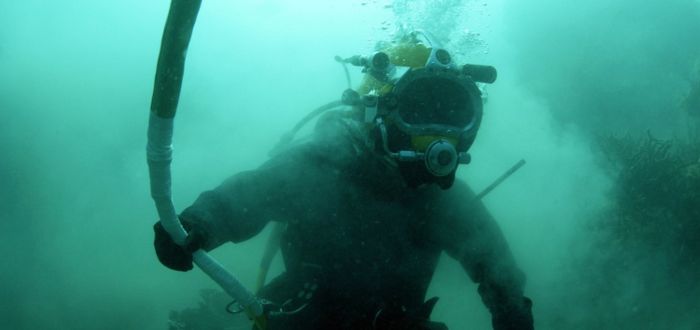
(635, 266)
(639, 264)
(656, 196)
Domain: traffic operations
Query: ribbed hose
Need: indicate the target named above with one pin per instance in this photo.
(166, 93)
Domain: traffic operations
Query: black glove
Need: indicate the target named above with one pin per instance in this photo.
(418, 319)
(174, 256)
(517, 317)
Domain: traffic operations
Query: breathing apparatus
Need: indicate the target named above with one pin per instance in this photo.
(425, 109)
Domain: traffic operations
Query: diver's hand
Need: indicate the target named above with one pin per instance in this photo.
(518, 317)
(174, 256)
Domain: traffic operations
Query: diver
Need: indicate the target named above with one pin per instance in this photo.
(369, 202)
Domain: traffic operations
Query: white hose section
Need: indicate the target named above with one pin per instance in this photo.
(159, 153)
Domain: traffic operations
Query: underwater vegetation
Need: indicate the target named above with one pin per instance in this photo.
(657, 194)
(641, 266)
(614, 75)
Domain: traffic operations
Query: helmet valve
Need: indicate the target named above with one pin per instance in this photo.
(441, 158)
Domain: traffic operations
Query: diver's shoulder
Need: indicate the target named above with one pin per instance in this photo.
(335, 141)
(339, 125)
(340, 137)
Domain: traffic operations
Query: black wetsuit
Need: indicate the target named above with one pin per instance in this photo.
(359, 243)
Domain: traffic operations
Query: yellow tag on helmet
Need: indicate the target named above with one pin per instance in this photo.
(420, 143)
(413, 55)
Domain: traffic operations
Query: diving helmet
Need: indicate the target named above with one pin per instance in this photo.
(424, 108)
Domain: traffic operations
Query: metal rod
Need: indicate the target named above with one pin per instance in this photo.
(500, 179)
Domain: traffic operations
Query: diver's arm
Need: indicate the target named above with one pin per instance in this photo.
(241, 206)
(473, 238)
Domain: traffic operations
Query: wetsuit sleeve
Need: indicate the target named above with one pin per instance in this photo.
(242, 205)
(472, 237)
